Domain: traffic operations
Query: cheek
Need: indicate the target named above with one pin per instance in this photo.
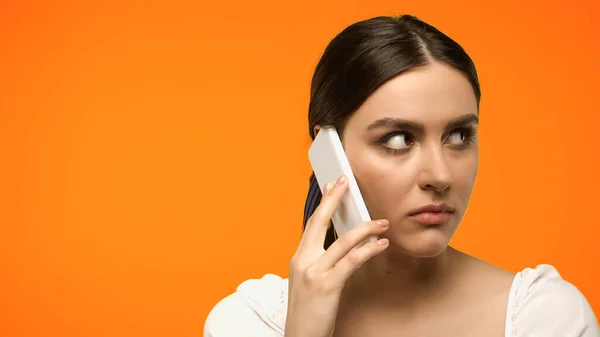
(383, 180)
(464, 173)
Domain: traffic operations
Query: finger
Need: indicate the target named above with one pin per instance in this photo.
(347, 242)
(320, 220)
(326, 188)
(356, 258)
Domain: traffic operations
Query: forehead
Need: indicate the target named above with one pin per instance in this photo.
(432, 94)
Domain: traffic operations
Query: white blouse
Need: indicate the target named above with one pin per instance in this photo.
(540, 304)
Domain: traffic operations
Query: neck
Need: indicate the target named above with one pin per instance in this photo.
(394, 274)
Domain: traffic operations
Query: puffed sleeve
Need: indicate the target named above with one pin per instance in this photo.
(256, 309)
(544, 305)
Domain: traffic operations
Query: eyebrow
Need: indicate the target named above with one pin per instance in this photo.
(399, 123)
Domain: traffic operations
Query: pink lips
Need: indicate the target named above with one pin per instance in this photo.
(432, 214)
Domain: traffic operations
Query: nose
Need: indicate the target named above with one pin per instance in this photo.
(435, 174)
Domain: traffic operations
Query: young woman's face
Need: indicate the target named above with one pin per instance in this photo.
(413, 144)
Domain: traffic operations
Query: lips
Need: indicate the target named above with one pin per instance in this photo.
(432, 214)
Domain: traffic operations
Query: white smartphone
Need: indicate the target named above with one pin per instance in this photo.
(328, 160)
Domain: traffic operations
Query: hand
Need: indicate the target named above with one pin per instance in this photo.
(317, 276)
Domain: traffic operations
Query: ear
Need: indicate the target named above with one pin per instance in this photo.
(316, 129)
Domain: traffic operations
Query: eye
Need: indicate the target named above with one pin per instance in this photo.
(396, 142)
(457, 137)
(461, 138)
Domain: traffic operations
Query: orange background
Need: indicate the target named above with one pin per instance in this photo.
(153, 154)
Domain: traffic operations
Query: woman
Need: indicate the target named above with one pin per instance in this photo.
(404, 98)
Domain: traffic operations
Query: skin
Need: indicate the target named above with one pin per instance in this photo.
(412, 283)
(437, 165)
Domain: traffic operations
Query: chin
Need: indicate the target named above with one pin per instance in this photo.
(426, 243)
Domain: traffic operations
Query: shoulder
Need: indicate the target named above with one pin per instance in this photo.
(257, 308)
(542, 303)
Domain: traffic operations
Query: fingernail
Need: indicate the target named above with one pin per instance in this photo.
(383, 223)
(327, 188)
(383, 242)
(341, 179)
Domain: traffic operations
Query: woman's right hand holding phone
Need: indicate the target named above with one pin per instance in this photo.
(317, 276)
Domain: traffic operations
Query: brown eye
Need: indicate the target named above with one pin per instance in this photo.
(397, 141)
(461, 139)
(457, 137)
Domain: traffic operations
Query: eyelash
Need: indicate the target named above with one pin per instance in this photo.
(468, 132)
